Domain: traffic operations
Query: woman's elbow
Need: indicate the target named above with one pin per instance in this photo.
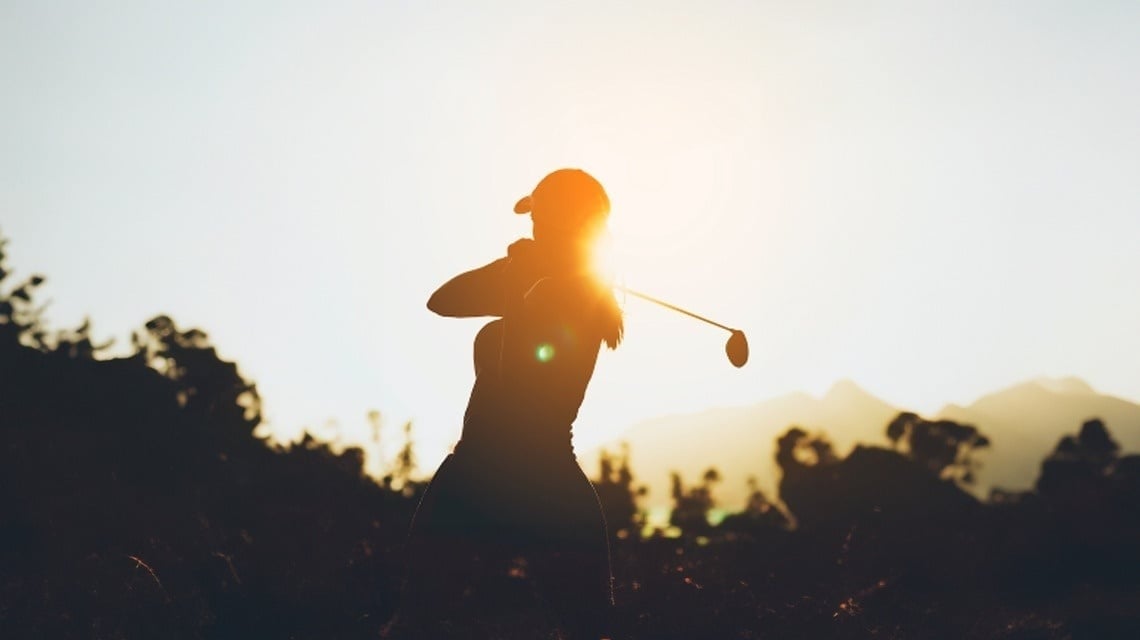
(437, 305)
(447, 304)
(451, 306)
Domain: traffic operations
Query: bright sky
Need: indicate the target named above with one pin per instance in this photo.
(934, 199)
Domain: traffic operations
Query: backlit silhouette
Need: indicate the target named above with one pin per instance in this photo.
(137, 501)
(510, 524)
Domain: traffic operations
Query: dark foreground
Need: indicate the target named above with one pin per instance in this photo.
(135, 502)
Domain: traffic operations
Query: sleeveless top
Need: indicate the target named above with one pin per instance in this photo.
(532, 368)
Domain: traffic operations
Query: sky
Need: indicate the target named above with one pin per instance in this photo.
(933, 199)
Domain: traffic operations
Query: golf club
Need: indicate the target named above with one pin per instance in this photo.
(737, 346)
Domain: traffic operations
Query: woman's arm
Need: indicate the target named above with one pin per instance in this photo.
(479, 292)
(491, 289)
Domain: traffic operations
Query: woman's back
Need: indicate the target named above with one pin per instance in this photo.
(534, 365)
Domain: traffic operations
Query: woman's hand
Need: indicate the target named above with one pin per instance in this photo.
(525, 262)
(520, 248)
(524, 268)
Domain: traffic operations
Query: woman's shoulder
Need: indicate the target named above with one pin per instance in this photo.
(572, 289)
(581, 299)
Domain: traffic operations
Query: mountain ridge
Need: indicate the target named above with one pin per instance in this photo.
(1024, 422)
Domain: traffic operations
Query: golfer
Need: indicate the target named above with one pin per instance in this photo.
(510, 522)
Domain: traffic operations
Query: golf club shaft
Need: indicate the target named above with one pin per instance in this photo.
(650, 298)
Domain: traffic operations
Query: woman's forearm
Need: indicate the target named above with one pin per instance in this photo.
(479, 292)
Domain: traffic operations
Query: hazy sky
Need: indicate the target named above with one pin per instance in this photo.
(934, 199)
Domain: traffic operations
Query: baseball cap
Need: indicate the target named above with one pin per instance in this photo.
(566, 193)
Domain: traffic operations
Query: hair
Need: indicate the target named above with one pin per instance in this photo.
(606, 315)
(613, 327)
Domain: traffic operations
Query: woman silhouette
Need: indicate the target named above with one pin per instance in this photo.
(509, 514)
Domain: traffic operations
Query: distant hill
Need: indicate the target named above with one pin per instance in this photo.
(740, 441)
(1024, 423)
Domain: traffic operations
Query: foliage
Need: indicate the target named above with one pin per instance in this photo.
(21, 320)
(619, 495)
(944, 447)
(760, 515)
(691, 507)
(135, 501)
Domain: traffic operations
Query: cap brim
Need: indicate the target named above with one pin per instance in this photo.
(524, 205)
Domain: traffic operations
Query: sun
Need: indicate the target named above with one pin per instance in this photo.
(603, 261)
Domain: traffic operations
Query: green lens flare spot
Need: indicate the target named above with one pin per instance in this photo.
(544, 352)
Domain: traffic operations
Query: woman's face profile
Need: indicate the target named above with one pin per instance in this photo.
(569, 229)
(568, 210)
(541, 230)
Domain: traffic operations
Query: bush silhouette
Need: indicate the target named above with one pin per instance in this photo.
(619, 495)
(136, 501)
(691, 507)
(944, 447)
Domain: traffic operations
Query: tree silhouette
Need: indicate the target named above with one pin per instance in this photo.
(944, 447)
(400, 478)
(798, 449)
(759, 515)
(691, 507)
(22, 322)
(1079, 465)
(135, 496)
(619, 495)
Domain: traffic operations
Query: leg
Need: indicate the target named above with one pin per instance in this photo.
(572, 561)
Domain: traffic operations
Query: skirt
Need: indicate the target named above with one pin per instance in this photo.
(497, 538)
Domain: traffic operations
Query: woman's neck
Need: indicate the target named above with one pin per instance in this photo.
(563, 258)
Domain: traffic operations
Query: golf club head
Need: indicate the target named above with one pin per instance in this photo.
(737, 348)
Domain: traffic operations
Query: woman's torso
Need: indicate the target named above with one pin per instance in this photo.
(532, 368)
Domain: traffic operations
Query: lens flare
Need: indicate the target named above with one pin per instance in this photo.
(544, 352)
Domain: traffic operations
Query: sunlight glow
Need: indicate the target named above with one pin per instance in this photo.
(603, 262)
(768, 167)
